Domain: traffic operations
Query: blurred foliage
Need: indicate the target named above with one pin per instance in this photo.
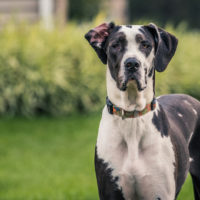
(162, 11)
(82, 10)
(52, 72)
(56, 72)
(183, 72)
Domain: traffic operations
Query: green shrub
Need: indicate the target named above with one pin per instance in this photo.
(53, 72)
(183, 72)
(56, 72)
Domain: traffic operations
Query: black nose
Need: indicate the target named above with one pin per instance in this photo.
(132, 64)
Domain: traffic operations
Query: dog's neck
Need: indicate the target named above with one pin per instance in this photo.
(131, 99)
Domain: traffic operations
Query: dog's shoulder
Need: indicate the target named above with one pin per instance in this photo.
(182, 113)
(180, 103)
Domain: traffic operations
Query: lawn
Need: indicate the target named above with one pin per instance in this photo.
(51, 159)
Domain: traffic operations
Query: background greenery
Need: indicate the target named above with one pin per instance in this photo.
(57, 73)
(50, 72)
(161, 11)
(52, 159)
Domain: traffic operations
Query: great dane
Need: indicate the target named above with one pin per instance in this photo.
(146, 146)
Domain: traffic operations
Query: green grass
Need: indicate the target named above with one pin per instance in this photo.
(51, 159)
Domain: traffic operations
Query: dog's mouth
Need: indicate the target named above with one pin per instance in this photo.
(132, 81)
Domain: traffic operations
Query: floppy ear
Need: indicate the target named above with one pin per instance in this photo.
(97, 39)
(165, 46)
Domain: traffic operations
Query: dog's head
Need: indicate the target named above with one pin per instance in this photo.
(132, 52)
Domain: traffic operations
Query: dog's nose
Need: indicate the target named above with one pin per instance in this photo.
(132, 64)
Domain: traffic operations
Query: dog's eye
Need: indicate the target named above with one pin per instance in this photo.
(145, 44)
(116, 46)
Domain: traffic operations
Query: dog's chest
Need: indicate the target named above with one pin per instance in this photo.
(138, 155)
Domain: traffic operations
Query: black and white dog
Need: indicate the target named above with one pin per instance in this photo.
(145, 145)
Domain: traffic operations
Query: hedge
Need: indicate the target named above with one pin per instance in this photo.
(56, 73)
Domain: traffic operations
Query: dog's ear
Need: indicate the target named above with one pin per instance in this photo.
(165, 46)
(97, 39)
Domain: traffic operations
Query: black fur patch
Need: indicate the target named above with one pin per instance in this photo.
(151, 72)
(145, 75)
(179, 130)
(129, 26)
(107, 186)
(146, 41)
(115, 48)
(161, 123)
(166, 45)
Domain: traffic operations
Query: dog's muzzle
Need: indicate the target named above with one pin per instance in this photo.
(133, 72)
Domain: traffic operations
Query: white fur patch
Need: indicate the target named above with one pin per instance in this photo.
(191, 159)
(132, 45)
(180, 115)
(138, 155)
(191, 134)
(187, 102)
(195, 112)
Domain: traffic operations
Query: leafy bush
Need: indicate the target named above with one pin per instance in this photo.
(183, 72)
(53, 72)
(56, 72)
